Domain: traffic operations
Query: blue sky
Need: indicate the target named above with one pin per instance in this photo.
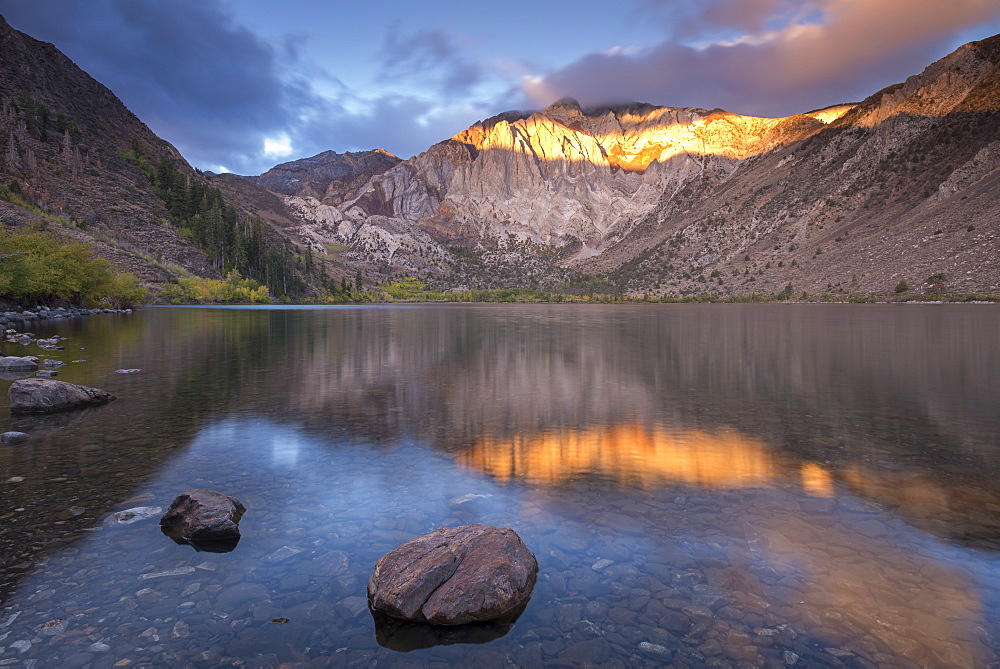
(245, 85)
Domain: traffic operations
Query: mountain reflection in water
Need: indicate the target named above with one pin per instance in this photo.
(629, 455)
(774, 484)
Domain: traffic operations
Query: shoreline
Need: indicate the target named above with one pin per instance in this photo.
(41, 313)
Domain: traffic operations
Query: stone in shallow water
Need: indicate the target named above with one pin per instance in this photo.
(18, 364)
(206, 519)
(129, 516)
(45, 396)
(180, 571)
(14, 438)
(455, 576)
(655, 651)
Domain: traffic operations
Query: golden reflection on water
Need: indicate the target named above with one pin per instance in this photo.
(817, 481)
(869, 593)
(855, 585)
(630, 454)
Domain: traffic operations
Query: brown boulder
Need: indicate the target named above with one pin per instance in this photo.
(203, 516)
(455, 576)
(47, 396)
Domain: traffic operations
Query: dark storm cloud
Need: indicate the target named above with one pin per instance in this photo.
(209, 86)
(430, 57)
(798, 56)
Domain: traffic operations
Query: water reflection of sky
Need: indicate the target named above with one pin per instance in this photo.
(718, 518)
(779, 497)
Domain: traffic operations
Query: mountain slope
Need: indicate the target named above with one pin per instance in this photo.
(902, 188)
(671, 201)
(564, 177)
(895, 193)
(78, 162)
(329, 177)
(64, 137)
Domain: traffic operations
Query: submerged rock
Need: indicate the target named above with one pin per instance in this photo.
(46, 396)
(13, 438)
(455, 576)
(129, 516)
(206, 519)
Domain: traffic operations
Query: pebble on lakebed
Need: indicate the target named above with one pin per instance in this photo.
(455, 576)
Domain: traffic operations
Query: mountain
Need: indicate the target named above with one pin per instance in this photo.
(76, 161)
(853, 198)
(895, 193)
(64, 138)
(329, 177)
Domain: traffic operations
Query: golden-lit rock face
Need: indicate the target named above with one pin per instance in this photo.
(631, 454)
(562, 175)
(603, 186)
(633, 140)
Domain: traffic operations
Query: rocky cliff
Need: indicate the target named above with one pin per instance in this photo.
(901, 192)
(568, 178)
(895, 193)
(854, 198)
(328, 177)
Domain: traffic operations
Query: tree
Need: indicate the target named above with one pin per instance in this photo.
(357, 281)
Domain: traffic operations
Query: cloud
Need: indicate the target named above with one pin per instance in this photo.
(211, 87)
(224, 96)
(769, 57)
(278, 147)
(429, 58)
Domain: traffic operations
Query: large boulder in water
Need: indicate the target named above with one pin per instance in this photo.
(47, 396)
(203, 517)
(455, 576)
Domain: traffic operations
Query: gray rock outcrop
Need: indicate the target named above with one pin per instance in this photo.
(454, 576)
(47, 396)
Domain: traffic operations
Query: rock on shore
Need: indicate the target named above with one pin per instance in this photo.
(47, 396)
(455, 576)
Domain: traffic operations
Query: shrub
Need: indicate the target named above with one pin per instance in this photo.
(902, 287)
(39, 267)
(235, 288)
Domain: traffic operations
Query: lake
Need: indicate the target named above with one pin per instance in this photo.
(703, 485)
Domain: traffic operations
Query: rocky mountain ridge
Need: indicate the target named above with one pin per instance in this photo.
(854, 198)
(329, 177)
